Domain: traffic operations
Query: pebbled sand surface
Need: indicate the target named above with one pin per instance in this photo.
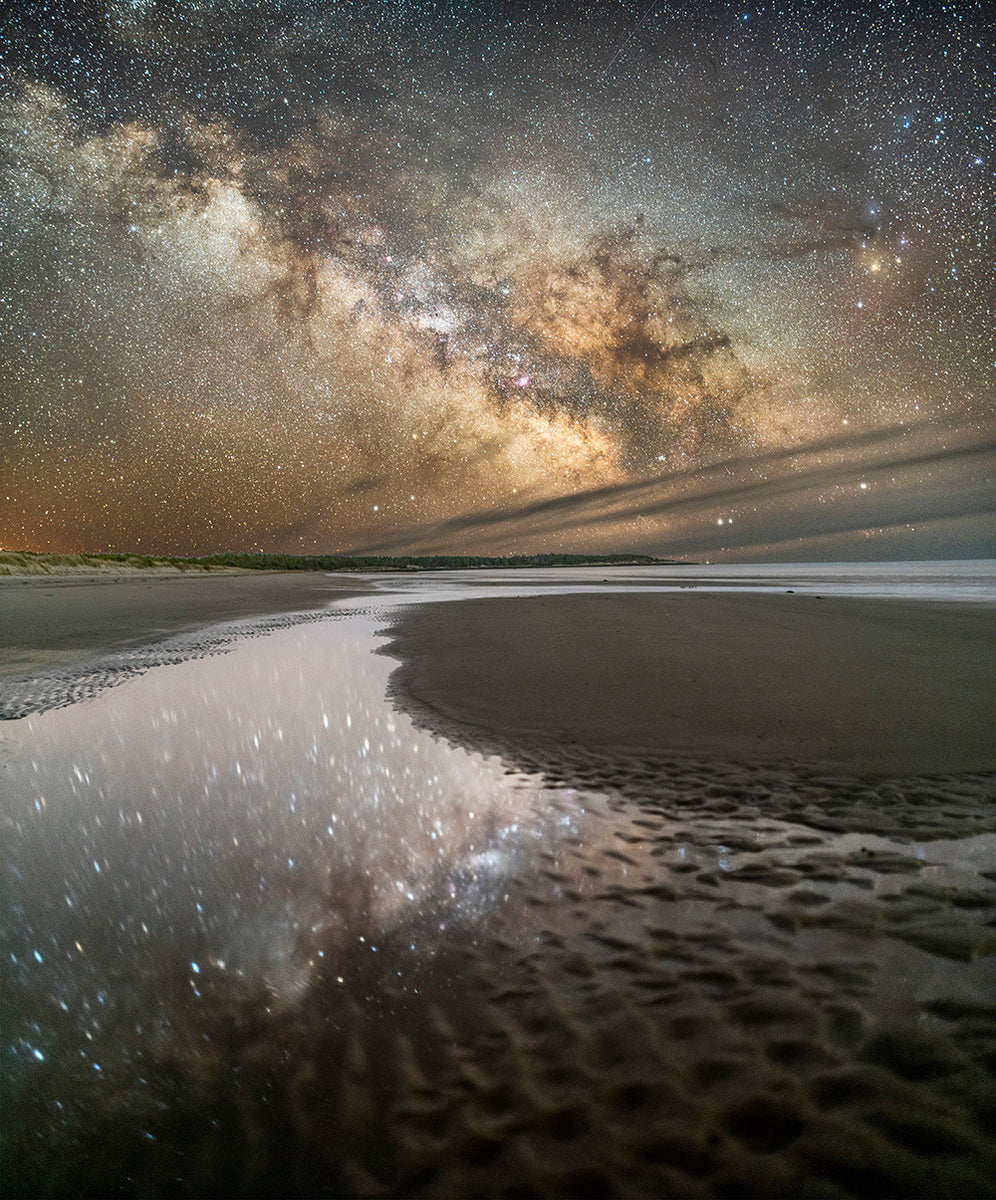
(732, 971)
(676, 1003)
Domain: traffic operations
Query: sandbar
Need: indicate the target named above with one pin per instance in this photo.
(866, 685)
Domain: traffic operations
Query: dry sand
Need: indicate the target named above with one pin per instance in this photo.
(868, 686)
(48, 621)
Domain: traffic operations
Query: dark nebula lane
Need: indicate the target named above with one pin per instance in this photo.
(311, 277)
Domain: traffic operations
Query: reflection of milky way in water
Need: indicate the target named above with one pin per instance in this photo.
(266, 936)
(246, 814)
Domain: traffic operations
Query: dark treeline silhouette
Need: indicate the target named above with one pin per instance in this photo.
(403, 562)
(31, 560)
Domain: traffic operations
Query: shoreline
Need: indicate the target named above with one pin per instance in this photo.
(61, 622)
(848, 685)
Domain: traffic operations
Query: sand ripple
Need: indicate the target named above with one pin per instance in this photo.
(688, 998)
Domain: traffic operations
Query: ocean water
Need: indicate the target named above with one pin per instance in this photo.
(958, 580)
(235, 813)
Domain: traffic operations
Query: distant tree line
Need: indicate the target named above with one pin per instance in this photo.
(15, 559)
(415, 562)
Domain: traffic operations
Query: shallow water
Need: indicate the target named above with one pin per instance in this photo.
(261, 932)
(243, 812)
(957, 580)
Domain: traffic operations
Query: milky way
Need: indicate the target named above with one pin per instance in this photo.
(311, 277)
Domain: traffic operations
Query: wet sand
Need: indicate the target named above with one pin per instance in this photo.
(750, 973)
(867, 686)
(58, 621)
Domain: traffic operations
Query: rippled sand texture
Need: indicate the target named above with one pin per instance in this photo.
(673, 1002)
(626, 973)
(56, 624)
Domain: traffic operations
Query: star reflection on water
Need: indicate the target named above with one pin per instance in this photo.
(232, 831)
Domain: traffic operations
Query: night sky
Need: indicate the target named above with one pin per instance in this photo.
(453, 276)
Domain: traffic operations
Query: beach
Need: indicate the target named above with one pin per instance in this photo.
(492, 887)
(59, 620)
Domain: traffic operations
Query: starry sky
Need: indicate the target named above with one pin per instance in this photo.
(294, 275)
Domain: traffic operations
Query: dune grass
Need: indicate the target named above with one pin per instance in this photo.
(28, 562)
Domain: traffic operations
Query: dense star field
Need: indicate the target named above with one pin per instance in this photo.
(302, 276)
